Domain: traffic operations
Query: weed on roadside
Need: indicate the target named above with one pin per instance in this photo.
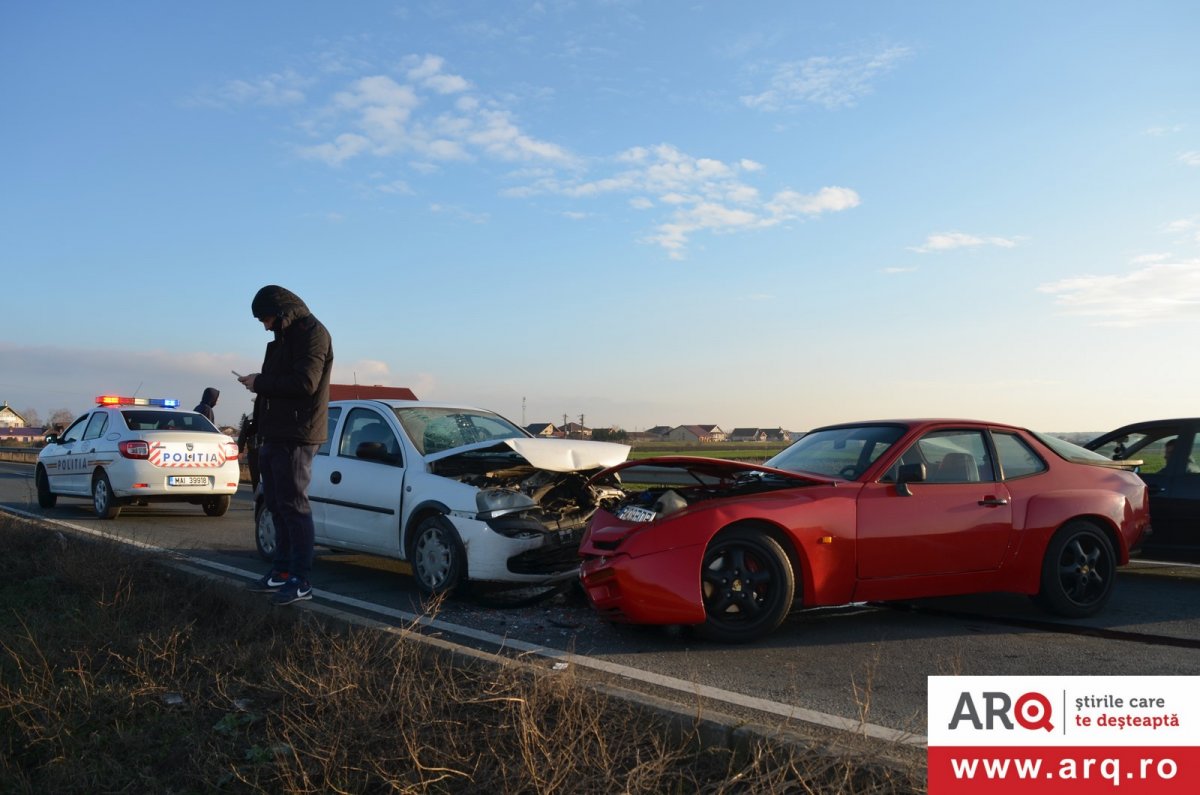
(119, 673)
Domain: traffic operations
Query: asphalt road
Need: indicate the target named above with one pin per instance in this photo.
(859, 664)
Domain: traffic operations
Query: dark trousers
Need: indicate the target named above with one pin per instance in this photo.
(286, 470)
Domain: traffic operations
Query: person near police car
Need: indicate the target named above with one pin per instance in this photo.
(291, 410)
(207, 402)
(247, 443)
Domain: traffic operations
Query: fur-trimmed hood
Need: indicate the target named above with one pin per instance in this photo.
(285, 305)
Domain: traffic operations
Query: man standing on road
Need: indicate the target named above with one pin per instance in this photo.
(291, 411)
(207, 401)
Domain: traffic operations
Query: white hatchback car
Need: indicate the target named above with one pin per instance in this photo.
(461, 493)
(137, 451)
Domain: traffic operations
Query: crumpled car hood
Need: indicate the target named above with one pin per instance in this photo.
(704, 470)
(552, 455)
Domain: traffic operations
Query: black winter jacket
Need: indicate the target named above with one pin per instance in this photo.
(292, 391)
(207, 401)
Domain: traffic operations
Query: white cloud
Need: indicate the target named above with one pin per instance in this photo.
(947, 241)
(337, 151)
(397, 187)
(1185, 227)
(458, 212)
(1190, 158)
(430, 115)
(1181, 225)
(1160, 131)
(704, 194)
(274, 90)
(428, 73)
(1164, 292)
(832, 82)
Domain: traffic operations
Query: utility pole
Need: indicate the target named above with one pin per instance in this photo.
(580, 426)
(523, 423)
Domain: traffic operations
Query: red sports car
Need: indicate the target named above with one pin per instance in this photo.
(870, 511)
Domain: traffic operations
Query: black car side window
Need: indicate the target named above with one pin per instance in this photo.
(1188, 463)
(1153, 452)
(1017, 459)
(96, 426)
(953, 456)
(334, 413)
(73, 433)
(366, 427)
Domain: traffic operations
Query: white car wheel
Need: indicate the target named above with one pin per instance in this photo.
(264, 530)
(438, 558)
(103, 501)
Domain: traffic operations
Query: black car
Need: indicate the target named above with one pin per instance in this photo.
(1171, 469)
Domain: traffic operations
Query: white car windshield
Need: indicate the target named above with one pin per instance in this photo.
(843, 452)
(434, 429)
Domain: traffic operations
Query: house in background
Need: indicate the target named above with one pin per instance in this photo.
(777, 435)
(696, 433)
(760, 435)
(573, 430)
(13, 429)
(543, 429)
(22, 435)
(9, 418)
(364, 392)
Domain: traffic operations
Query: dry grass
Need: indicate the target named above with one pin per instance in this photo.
(121, 675)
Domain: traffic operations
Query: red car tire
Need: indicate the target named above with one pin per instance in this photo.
(1078, 572)
(747, 584)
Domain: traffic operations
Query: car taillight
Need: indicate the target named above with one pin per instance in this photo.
(135, 449)
(231, 451)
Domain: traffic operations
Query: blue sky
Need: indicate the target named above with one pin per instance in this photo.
(766, 214)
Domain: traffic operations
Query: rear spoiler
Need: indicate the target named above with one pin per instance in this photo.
(1129, 464)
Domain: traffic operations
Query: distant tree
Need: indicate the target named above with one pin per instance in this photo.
(32, 418)
(609, 435)
(61, 418)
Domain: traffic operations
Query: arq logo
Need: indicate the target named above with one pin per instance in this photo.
(1032, 711)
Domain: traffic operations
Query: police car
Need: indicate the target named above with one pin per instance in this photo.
(136, 451)
(462, 494)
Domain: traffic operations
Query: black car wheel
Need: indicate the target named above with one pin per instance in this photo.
(103, 500)
(217, 506)
(438, 559)
(264, 530)
(46, 498)
(747, 584)
(1078, 572)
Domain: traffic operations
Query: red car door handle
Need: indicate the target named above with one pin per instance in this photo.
(993, 501)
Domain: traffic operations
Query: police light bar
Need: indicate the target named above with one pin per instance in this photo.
(117, 400)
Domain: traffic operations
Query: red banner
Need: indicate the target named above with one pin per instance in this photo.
(1063, 770)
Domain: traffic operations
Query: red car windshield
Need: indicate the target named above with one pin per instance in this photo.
(842, 452)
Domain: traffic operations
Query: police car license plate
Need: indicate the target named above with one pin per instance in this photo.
(187, 480)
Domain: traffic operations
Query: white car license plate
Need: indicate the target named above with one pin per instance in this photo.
(187, 480)
(636, 513)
